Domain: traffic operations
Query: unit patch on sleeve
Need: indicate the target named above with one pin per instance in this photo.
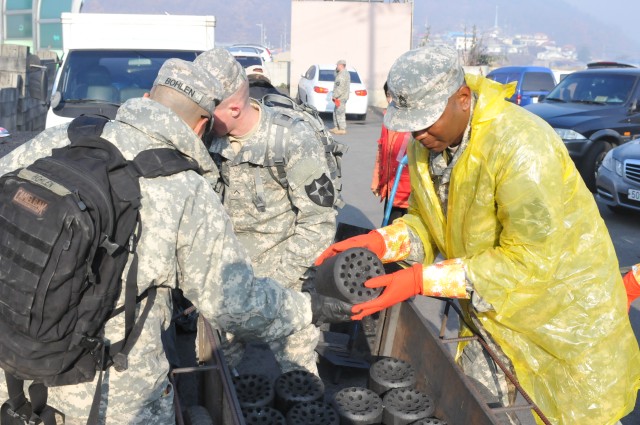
(321, 191)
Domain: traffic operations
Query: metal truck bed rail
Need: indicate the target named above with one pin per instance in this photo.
(215, 386)
(407, 335)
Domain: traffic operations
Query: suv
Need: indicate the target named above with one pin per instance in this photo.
(532, 82)
(593, 111)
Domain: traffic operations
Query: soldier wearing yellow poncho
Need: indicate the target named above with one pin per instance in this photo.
(495, 193)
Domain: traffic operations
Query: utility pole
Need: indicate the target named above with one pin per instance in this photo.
(261, 25)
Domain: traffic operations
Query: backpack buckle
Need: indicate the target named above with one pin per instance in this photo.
(22, 413)
(120, 362)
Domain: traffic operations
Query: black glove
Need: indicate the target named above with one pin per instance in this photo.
(329, 310)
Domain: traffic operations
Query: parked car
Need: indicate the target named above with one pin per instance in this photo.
(251, 61)
(618, 180)
(608, 64)
(264, 52)
(315, 88)
(532, 82)
(593, 111)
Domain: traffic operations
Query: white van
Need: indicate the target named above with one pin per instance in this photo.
(109, 58)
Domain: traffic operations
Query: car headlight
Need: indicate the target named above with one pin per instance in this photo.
(618, 167)
(567, 134)
(612, 164)
(607, 162)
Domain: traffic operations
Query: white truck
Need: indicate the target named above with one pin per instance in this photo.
(109, 58)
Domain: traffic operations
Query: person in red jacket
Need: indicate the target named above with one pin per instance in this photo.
(632, 284)
(392, 146)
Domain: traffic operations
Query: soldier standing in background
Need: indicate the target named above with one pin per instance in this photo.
(283, 228)
(341, 89)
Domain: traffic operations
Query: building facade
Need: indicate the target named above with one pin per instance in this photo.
(34, 23)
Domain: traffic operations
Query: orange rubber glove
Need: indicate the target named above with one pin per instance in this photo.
(632, 286)
(399, 286)
(373, 241)
(444, 279)
(336, 102)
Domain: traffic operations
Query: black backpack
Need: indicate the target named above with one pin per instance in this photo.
(68, 224)
(289, 112)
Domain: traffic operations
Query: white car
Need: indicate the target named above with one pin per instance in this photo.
(251, 61)
(315, 88)
(252, 48)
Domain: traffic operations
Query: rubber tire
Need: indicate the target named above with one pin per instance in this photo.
(198, 415)
(592, 161)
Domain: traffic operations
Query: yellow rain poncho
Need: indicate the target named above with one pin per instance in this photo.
(534, 245)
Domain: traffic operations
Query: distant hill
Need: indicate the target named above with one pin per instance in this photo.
(237, 20)
(563, 23)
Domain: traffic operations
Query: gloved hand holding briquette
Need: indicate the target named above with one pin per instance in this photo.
(444, 279)
(391, 244)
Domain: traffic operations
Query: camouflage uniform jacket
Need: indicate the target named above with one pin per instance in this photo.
(297, 224)
(342, 85)
(187, 240)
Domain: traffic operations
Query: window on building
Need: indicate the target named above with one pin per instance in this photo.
(51, 36)
(19, 26)
(19, 5)
(51, 9)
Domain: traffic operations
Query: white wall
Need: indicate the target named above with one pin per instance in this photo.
(369, 36)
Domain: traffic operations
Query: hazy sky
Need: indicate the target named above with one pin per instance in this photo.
(618, 14)
(623, 14)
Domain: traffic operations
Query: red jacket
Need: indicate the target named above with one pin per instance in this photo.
(392, 146)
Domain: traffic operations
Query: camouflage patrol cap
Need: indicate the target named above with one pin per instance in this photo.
(195, 83)
(225, 68)
(421, 82)
(342, 62)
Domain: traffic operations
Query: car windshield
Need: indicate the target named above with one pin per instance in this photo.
(330, 75)
(247, 61)
(113, 76)
(594, 88)
(537, 81)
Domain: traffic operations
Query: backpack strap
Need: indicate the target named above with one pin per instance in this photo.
(20, 410)
(86, 128)
(279, 159)
(282, 122)
(274, 99)
(260, 201)
(163, 162)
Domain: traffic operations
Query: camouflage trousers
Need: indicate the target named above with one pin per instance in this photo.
(483, 371)
(340, 116)
(295, 352)
(156, 412)
(141, 394)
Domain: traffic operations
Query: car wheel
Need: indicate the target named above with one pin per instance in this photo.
(592, 162)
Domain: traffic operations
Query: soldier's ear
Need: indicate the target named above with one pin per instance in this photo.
(463, 96)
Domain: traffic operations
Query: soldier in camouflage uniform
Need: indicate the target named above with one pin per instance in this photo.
(526, 253)
(341, 88)
(187, 243)
(283, 229)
